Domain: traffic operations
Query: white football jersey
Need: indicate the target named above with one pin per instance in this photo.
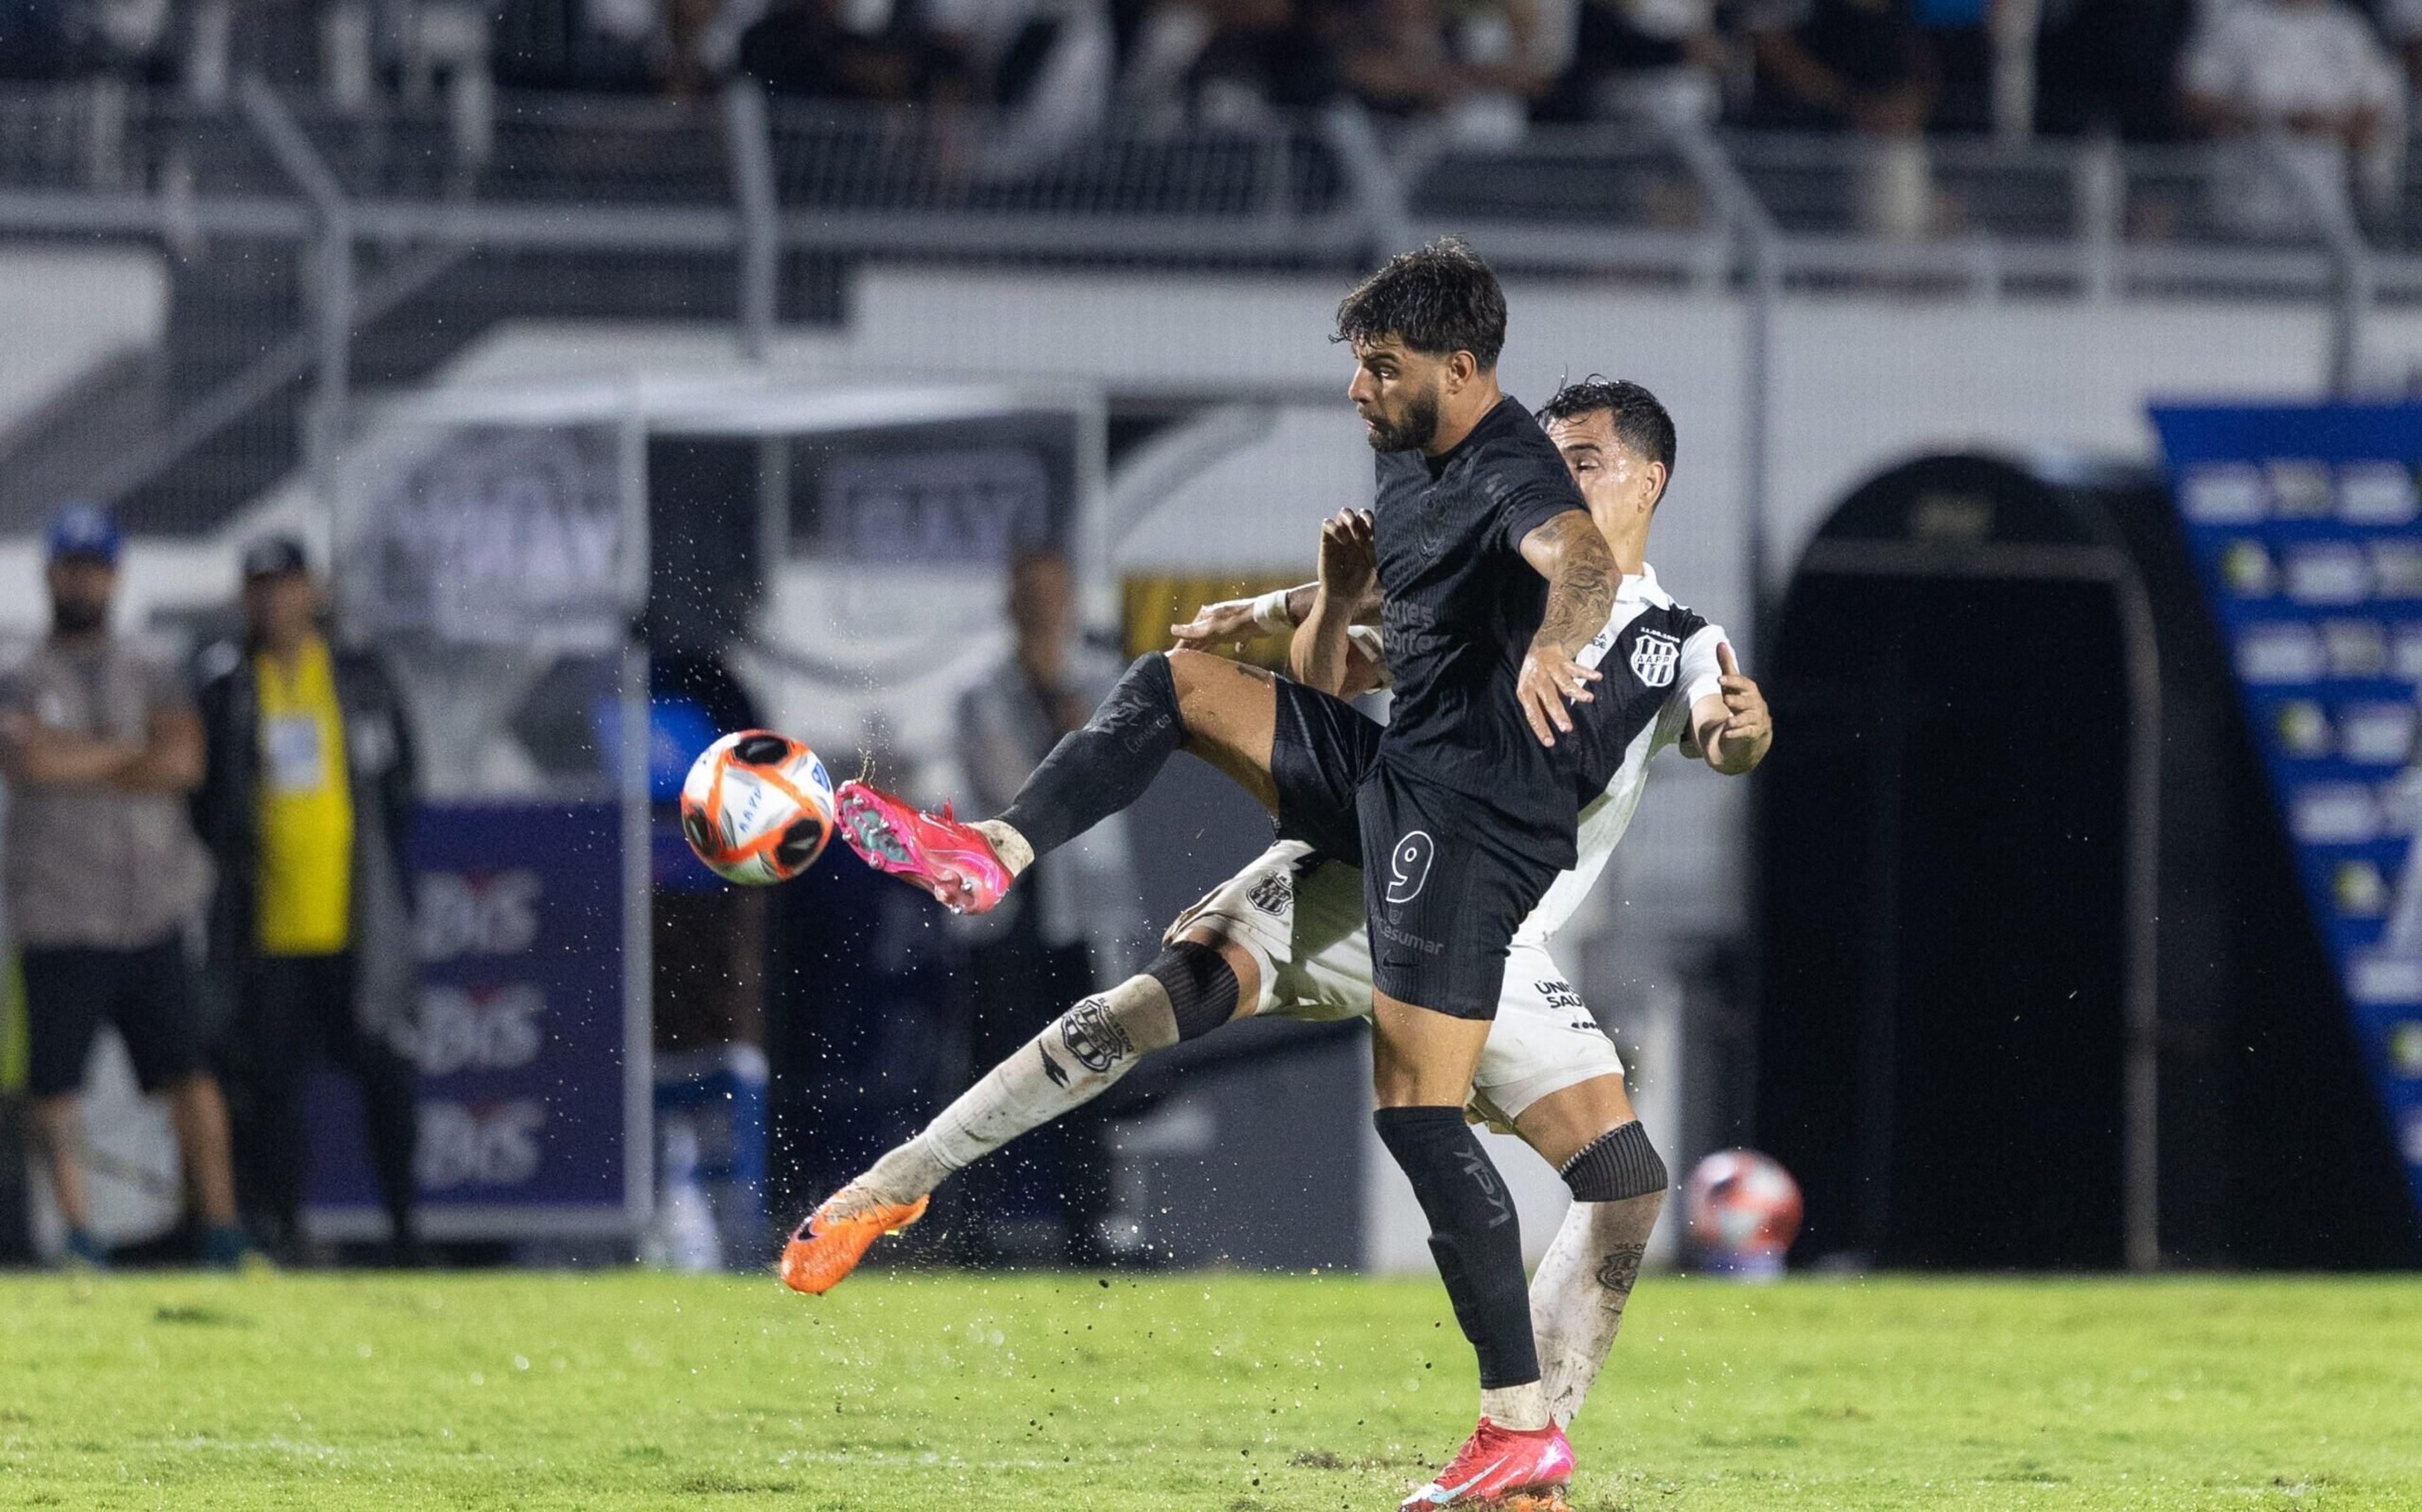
(1658, 659)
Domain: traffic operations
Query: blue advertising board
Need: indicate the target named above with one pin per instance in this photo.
(523, 1040)
(2306, 524)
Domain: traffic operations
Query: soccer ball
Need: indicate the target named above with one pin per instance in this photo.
(757, 807)
(1744, 1208)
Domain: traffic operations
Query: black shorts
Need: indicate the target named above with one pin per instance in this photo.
(1444, 882)
(71, 990)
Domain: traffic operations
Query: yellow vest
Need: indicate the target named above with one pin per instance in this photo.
(304, 903)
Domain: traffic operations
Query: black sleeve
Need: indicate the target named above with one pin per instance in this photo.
(1532, 505)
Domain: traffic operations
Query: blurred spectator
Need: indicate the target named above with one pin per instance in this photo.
(2110, 65)
(1958, 39)
(1660, 60)
(1824, 64)
(1078, 918)
(1469, 61)
(307, 802)
(2294, 90)
(1866, 65)
(1046, 65)
(1226, 63)
(804, 47)
(105, 878)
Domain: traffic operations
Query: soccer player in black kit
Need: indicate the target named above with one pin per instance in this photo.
(1491, 579)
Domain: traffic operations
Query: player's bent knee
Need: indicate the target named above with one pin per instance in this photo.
(1201, 986)
(1561, 1124)
(1616, 1167)
(1216, 698)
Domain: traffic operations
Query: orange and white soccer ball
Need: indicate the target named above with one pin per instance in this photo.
(757, 807)
(1743, 1206)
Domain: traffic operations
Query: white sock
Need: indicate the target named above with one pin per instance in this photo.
(1007, 844)
(1523, 1408)
(1076, 1058)
(1577, 1298)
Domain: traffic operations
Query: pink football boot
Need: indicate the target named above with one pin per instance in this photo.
(950, 860)
(1500, 1468)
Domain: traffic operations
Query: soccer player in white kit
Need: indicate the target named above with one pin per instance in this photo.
(1292, 925)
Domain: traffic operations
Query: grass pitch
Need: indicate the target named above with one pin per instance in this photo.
(1225, 1394)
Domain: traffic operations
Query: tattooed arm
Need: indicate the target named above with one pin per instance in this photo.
(1570, 553)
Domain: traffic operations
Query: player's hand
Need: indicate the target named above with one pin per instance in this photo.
(1549, 679)
(1229, 622)
(1746, 720)
(1349, 560)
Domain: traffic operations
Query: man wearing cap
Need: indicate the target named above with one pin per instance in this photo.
(306, 803)
(104, 878)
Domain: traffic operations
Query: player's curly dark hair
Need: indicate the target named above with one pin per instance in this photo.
(1640, 421)
(1437, 300)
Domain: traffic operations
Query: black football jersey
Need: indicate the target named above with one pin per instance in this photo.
(1460, 608)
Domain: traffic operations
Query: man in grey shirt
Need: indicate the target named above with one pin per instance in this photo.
(105, 877)
(1080, 924)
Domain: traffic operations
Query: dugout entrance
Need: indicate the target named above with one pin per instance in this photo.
(1957, 835)
(2039, 987)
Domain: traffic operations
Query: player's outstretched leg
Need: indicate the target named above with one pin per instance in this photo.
(1221, 710)
(1190, 989)
(1423, 1064)
(1618, 1181)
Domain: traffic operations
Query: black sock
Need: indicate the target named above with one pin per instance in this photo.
(1473, 1234)
(1097, 770)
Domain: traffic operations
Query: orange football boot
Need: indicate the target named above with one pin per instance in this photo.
(822, 1251)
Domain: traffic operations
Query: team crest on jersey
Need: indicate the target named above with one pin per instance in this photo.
(1654, 657)
(1274, 894)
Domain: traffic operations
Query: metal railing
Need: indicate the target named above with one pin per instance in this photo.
(745, 186)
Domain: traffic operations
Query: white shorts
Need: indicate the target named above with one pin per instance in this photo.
(1302, 919)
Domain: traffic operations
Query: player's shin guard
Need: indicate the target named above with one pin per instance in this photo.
(1075, 1059)
(1099, 770)
(1576, 1299)
(1474, 1236)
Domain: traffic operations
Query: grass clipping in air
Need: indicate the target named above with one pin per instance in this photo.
(1227, 1393)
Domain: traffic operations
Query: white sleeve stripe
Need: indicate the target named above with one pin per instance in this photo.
(1373, 647)
(1701, 673)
